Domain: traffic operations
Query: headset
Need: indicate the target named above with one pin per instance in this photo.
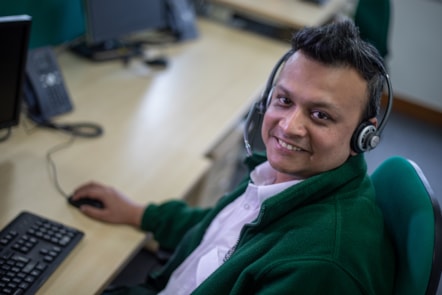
(366, 136)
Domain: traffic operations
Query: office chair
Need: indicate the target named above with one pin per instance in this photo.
(413, 217)
(373, 19)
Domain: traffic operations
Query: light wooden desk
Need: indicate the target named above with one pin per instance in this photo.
(158, 127)
(293, 14)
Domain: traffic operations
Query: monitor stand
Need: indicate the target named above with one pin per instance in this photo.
(113, 49)
(108, 50)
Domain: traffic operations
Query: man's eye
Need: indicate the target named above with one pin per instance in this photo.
(320, 115)
(284, 101)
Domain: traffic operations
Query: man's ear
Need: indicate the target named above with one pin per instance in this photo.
(373, 121)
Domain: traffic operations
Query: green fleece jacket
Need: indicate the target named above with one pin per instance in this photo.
(324, 235)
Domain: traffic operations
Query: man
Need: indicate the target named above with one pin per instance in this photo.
(305, 221)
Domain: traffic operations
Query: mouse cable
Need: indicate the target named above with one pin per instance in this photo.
(52, 167)
(84, 130)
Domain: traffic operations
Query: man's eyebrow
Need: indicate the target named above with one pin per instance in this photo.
(281, 88)
(323, 105)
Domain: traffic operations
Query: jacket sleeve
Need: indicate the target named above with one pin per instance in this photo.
(308, 278)
(170, 221)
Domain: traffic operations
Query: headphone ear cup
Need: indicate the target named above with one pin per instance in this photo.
(364, 138)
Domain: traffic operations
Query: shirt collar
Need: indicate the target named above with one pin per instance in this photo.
(263, 178)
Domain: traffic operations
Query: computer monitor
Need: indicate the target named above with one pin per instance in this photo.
(111, 23)
(108, 20)
(14, 38)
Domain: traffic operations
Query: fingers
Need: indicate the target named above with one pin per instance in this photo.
(118, 208)
(95, 191)
(95, 213)
(90, 189)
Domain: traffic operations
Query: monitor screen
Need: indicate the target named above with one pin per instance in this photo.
(115, 19)
(14, 37)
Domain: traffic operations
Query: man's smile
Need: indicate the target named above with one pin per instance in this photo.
(288, 146)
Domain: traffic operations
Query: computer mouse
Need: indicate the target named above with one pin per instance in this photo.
(159, 62)
(86, 201)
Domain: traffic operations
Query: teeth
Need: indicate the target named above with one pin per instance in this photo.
(289, 146)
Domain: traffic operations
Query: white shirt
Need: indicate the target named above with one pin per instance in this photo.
(223, 233)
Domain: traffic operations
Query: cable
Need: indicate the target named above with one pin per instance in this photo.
(52, 168)
(88, 130)
(84, 129)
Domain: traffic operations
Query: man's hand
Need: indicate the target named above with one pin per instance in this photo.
(118, 208)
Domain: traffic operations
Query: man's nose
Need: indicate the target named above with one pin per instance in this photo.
(294, 123)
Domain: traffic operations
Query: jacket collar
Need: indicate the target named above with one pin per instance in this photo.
(312, 189)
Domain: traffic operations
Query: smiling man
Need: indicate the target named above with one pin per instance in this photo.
(304, 221)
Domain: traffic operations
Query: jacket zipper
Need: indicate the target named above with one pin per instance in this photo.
(242, 233)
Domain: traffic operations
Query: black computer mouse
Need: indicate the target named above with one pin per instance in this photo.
(86, 201)
(159, 62)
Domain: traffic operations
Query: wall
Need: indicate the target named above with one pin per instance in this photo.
(416, 51)
(53, 21)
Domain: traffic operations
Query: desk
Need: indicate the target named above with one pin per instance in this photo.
(159, 125)
(293, 14)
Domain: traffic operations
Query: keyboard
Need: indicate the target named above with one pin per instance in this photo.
(31, 248)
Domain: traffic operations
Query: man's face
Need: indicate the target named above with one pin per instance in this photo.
(312, 115)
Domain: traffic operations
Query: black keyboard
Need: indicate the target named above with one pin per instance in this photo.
(31, 248)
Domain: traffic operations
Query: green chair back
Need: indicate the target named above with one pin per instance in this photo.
(413, 217)
(373, 19)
